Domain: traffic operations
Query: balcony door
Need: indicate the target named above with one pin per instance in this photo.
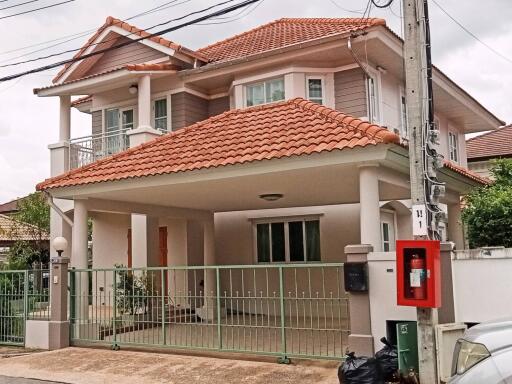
(117, 123)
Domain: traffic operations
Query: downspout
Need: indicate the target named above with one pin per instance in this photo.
(57, 209)
(366, 74)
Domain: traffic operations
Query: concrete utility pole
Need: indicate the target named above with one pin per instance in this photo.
(422, 138)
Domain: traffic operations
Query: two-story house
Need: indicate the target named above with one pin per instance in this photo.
(278, 146)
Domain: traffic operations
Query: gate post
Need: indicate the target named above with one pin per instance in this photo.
(360, 339)
(59, 323)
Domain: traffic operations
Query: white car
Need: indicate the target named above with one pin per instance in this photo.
(484, 355)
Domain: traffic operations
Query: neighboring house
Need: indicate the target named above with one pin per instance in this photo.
(10, 207)
(12, 231)
(273, 146)
(481, 150)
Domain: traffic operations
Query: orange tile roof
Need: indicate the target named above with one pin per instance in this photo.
(281, 33)
(111, 21)
(81, 100)
(496, 143)
(14, 230)
(466, 172)
(290, 128)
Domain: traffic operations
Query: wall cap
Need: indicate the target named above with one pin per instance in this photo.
(144, 129)
(59, 145)
(447, 246)
(358, 249)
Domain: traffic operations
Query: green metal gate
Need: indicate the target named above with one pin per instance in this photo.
(24, 295)
(298, 310)
(13, 304)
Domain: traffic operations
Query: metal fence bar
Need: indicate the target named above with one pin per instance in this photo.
(286, 310)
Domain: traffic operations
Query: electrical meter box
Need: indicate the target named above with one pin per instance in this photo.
(418, 273)
(356, 276)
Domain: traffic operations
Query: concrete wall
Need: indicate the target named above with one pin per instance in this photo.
(482, 284)
(382, 282)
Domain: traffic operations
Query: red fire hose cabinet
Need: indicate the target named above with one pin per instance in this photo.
(418, 272)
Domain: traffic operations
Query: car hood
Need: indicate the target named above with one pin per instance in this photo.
(495, 335)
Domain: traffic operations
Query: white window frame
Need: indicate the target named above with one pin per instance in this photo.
(264, 82)
(286, 221)
(404, 117)
(392, 226)
(453, 147)
(322, 80)
(375, 118)
(168, 110)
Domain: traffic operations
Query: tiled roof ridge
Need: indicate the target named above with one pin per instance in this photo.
(362, 21)
(112, 21)
(465, 171)
(372, 131)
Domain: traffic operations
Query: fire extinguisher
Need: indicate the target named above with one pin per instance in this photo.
(418, 276)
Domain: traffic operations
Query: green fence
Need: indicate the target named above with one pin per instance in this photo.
(298, 310)
(23, 295)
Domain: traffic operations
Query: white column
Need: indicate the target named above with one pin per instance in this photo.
(209, 310)
(370, 209)
(144, 131)
(65, 118)
(144, 241)
(456, 226)
(144, 101)
(79, 259)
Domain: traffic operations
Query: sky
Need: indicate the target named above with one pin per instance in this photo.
(28, 123)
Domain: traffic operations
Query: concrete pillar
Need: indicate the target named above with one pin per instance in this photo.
(59, 325)
(65, 118)
(456, 226)
(144, 101)
(209, 310)
(144, 132)
(79, 259)
(446, 314)
(360, 339)
(369, 207)
(144, 241)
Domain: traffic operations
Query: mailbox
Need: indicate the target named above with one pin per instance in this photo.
(418, 273)
(356, 276)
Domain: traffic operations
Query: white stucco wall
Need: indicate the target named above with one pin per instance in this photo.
(382, 283)
(482, 285)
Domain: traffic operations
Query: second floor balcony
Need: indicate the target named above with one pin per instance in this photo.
(87, 149)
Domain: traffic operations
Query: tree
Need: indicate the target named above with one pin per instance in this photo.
(32, 226)
(488, 210)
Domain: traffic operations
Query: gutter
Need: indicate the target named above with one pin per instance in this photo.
(57, 209)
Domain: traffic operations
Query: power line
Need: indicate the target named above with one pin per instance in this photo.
(495, 51)
(36, 9)
(378, 5)
(359, 12)
(18, 5)
(159, 8)
(124, 44)
(78, 35)
(113, 38)
(238, 16)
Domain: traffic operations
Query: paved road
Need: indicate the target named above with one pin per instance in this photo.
(17, 380)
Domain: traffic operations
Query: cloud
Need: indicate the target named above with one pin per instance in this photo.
(28, 123)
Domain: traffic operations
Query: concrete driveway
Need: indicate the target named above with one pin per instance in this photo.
(95, 366)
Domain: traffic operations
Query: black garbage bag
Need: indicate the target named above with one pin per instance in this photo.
(360, 370)
(388, 360)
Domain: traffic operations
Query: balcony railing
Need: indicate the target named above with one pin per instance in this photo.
(87, 149)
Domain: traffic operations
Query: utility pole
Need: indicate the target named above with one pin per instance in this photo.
(424, 160)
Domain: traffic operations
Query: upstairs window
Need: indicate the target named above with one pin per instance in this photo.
(403, 116)
(453, 146)
(315, 89)
(160, 113)
(265, 92)
(373, 100)
(288, 241)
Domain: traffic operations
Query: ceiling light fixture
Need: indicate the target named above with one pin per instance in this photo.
(271, 196)
(133, 89)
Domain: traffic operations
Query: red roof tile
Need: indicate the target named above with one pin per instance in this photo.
(466, 172)
(81, 100)
(496, 143)
(281, 33)
(111, 21)
(289, 128)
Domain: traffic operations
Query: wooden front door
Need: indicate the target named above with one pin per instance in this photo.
(162, 248)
